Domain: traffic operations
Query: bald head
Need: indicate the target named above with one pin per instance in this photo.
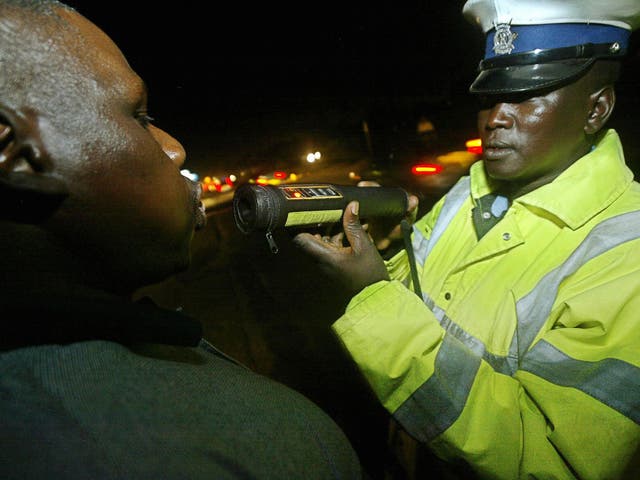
(30, 30)
(60, 65)
(35, 54)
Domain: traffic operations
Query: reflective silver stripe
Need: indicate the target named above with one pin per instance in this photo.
(614, 382)
(436, 310)
(456, 364)
(420, 244)
(610, 381)
(534, 308)
(439, 401)
(452, 203)
(500, 363)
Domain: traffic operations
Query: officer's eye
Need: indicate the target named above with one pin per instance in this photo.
(485, 102)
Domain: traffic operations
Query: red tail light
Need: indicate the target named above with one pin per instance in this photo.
(474, 146)
(426, 169)
(279, 174)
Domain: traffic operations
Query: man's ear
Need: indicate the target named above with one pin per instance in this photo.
(28, 190)
(601, 103)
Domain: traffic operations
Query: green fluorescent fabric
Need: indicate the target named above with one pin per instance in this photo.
(523, 356)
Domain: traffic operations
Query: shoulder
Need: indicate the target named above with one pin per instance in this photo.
(166, 412)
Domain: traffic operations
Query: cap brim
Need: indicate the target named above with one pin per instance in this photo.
(524, 78)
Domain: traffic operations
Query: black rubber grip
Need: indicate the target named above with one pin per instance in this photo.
(268, 207)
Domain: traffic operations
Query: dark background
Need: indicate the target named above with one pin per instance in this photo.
(226, 76)
(222, 76)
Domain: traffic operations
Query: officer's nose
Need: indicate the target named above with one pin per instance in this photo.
(498, 116)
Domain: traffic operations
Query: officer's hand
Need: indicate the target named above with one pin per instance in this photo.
(354, 266)
(385, 232)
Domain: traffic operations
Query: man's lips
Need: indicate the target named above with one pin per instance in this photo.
(199, 208)
(201, 216)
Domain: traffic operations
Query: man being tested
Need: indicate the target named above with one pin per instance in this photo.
(520, 355)
(93, 206)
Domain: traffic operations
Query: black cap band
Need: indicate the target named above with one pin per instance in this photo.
(540, 69)
(587, 50)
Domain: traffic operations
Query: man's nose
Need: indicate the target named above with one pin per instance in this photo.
(172, 147)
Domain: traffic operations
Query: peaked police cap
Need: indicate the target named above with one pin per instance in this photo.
(541, 44)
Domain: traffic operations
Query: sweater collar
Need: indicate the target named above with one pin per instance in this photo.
(36, 315)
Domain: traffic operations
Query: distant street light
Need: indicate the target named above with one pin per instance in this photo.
(312, 157)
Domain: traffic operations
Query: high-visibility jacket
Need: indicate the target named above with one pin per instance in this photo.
(522, 358)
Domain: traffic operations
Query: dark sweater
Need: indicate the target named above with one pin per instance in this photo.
(90, 388)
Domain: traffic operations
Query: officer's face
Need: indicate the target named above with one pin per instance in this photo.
(529, 140)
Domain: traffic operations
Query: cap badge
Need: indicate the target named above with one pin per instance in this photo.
(503, 39)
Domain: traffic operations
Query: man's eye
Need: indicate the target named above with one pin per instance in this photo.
(144, 119)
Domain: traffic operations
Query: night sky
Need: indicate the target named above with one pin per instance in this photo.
(229, 70)
(260, 48)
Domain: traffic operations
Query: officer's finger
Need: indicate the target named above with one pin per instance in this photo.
(337, 238)
(412, 203)
(412, 209)
(356, 236)
(368, 183)
(384, 243)
(315, 245)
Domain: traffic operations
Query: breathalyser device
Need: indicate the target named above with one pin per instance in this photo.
(268, 207)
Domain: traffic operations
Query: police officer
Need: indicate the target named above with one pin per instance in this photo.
(520, 355)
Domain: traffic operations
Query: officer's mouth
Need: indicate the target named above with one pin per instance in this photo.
(497, 151)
